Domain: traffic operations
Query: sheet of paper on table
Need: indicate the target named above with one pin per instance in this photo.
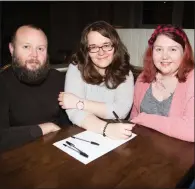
(93, 151)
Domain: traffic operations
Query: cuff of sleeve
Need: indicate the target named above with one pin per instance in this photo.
(36, 131)
(138, 119)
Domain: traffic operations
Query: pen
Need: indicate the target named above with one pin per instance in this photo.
(95, 143)
(116, 116)
(79, 151)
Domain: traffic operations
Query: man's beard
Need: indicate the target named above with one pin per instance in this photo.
(27, 76)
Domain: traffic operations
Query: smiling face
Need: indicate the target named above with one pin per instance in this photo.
(104, 56)
(167, 55)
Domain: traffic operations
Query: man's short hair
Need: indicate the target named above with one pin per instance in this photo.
(13, 38)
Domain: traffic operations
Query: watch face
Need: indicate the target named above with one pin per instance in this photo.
(80, 105)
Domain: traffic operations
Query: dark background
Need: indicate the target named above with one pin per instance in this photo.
(63, 21)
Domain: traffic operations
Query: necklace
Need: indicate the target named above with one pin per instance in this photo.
(164, 84)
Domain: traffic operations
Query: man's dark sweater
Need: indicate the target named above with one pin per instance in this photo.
(23, 107)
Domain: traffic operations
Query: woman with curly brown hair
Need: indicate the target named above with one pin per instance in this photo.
(164, 91)
(99, 81)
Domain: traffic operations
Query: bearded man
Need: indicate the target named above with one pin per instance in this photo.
(29, 91)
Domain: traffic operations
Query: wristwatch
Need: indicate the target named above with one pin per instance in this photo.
(80, 105)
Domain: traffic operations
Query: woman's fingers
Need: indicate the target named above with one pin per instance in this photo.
(125, 136)
(61, 96)
(128, 126)
(60, 99)
(126, 132)
(61, 103)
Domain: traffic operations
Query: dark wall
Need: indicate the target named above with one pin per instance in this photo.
(0, 35)
(188, 14)
(64, 21)
(15, 14)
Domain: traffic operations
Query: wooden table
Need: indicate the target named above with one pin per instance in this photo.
(150, 160)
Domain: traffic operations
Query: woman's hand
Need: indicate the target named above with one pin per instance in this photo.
(67, 100)
(119, 130)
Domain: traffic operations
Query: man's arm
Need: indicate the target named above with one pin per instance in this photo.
(11, 137)
(63, 119)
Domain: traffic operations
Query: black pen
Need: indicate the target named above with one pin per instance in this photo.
(116, 116)
(74, 147)
(80, 152)
(95, 143)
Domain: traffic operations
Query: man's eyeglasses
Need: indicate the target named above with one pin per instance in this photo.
(105, 48)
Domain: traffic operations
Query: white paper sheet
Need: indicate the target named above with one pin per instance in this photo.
(93, 151)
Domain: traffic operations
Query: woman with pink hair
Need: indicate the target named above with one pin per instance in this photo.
(164, 91)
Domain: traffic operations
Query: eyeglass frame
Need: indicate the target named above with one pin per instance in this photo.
(112, 46)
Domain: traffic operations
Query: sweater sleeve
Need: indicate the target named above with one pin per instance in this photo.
(123, 99)
(11, 137)
(63, 119)
(174, 126)
(74, 84)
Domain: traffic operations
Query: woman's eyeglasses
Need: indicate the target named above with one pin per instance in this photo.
(105, 48)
